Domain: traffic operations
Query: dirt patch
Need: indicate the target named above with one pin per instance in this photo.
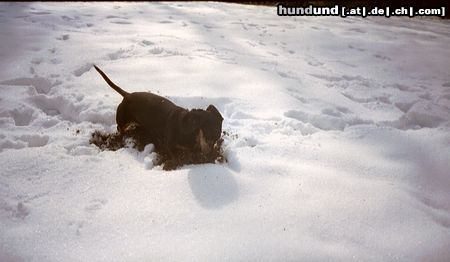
(134, 137)
(187, 157)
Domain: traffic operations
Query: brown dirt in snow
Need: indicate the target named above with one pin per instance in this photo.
(135, 137)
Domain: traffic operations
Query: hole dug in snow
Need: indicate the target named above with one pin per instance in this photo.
(135, 137)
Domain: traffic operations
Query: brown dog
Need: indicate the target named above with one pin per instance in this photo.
(166, 125)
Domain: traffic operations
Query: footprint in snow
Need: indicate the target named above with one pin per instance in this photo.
(146, 43)
(325, 122)
(426, 96)
(314, 62)
(41, 85)
(121, 53)
(78, 225)
(68, 18)
(156, 50)
(19, 211)
(358, 30)
(356, 48)
(22, 116)
(121, 22)
(63, 37)
(83, 69)
(36, 60)
(55, 61)
(34, 140)
(332, 112)
(39, 13)
(286, 75)
(382, 57)
(404, 106)
(327, 77)
(115, 16)
(95, 205)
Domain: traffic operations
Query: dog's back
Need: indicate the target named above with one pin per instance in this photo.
(148, 109)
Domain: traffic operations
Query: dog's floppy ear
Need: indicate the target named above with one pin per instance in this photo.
(214, 110)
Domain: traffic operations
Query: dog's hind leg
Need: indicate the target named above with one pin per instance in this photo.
(122, 118)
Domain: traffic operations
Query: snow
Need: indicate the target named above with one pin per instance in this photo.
(338, 145)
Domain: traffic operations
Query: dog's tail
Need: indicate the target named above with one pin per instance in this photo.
(111, 84)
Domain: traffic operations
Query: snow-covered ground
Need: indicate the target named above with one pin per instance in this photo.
(338, 145)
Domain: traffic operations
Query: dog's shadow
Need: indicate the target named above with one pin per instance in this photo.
(212, 185)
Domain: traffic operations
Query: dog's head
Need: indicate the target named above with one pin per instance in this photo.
(203, 128)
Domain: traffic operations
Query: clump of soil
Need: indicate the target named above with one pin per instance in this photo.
(135, 137)
(113, 141)
(188, 157)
